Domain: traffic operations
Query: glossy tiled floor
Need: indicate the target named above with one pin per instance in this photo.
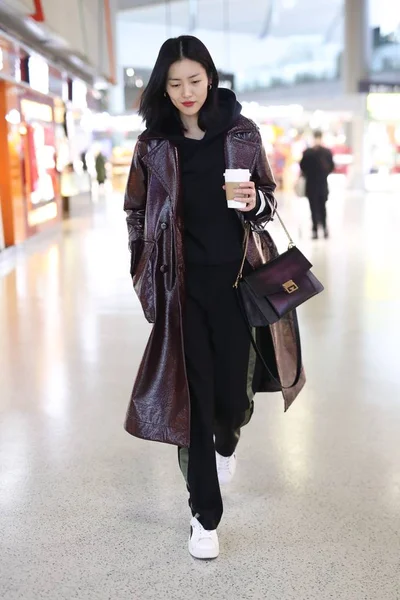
(89, 513)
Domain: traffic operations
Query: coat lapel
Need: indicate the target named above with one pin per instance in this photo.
(162, 163)
(240, 153)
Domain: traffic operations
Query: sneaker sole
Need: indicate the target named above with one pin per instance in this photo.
(203, 555)
(223, 481)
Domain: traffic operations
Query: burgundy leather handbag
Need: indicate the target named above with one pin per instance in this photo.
(276, 289)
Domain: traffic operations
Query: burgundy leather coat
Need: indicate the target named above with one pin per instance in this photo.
(160, 407)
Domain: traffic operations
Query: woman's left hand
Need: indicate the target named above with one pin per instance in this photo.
(246, 193)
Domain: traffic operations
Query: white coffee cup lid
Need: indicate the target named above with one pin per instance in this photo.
(237, 174)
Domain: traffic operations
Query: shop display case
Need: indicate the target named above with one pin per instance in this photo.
(31, 197)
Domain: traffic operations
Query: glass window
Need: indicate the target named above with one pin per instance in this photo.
(297, 49)
(385, 23)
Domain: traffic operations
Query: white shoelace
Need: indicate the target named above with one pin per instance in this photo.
(225, 462)
(203, 533)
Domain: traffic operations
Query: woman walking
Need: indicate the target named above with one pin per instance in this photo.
(198, 375)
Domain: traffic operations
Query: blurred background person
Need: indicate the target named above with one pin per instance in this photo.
(69, 187)
(87, 176)
(84, 161)
(100, 166)
(316, 165)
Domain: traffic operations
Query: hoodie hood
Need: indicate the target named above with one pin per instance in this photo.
(228, 112)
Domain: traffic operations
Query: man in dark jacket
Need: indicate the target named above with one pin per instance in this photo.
(316, 164)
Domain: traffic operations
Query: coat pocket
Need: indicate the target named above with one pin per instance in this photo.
(142, 273)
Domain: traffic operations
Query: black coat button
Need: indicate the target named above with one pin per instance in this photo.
(164, 268)
(164, 225)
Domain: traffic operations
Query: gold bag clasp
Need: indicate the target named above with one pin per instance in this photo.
(290, 286)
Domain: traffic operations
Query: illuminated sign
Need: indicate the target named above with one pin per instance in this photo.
(34, 111)
(371, 87)
(384, 107)
(38, 74)
(79, 94)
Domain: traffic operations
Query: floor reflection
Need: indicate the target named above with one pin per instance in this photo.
(74, 485)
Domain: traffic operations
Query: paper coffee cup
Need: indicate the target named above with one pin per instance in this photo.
(232, 178)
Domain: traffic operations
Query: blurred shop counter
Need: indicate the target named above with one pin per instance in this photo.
(120, 164)
(117, 135)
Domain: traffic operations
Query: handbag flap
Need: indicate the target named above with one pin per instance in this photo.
(271, 277)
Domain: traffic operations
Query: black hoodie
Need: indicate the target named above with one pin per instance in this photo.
(213, 232)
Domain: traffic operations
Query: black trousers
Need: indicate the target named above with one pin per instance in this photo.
(220, 369)
(317, 200)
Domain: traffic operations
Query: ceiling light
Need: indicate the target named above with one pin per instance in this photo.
(139, 83)
(13, 117)
(130, 72)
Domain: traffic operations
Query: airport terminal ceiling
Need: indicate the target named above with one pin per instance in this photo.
(255, 17)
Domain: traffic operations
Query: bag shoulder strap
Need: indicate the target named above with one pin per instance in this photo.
(299, 362)
(248, 227)
(274, 211)
(246, 247)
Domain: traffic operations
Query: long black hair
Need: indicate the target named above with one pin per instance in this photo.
(156, 108)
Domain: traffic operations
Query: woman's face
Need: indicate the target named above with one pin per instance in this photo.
(187, 86)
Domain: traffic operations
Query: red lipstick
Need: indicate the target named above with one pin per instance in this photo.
(188, 104)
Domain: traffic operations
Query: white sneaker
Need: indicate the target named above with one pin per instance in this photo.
(202, 543)
(226, 468)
